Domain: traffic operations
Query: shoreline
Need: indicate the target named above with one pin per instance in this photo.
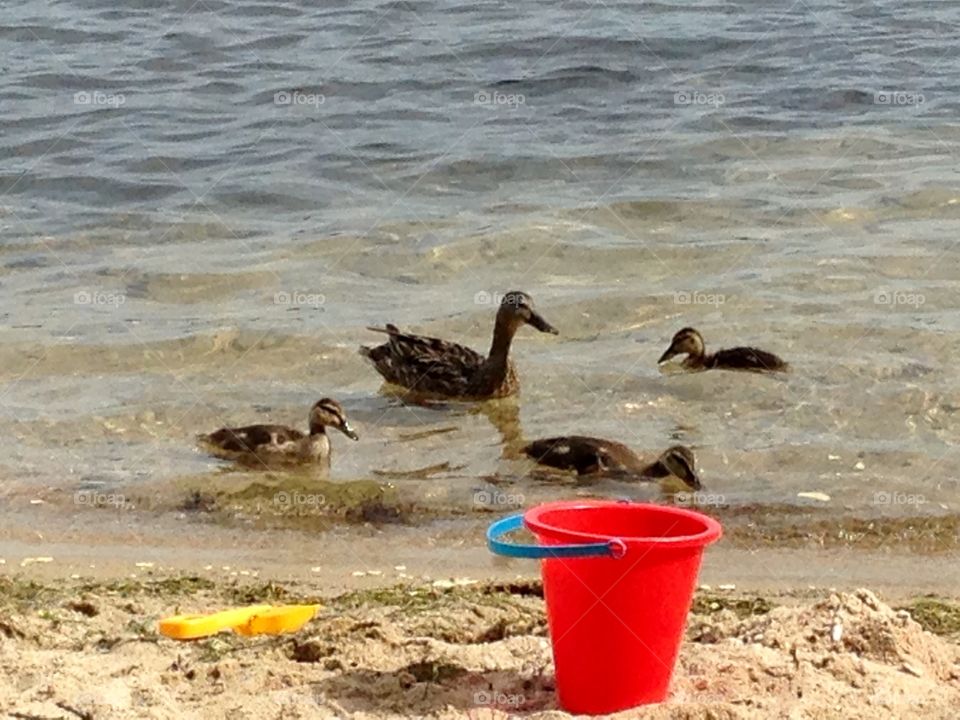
(898, 556)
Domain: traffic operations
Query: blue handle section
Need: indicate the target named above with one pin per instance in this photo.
(613, 548)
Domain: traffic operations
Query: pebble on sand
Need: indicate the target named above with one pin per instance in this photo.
(32, 560)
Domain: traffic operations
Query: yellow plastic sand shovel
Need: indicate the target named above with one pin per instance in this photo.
(253, 620)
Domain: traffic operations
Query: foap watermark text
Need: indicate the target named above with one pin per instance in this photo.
(493, 698)
(700, 499)
(99, 297)
(298, 298)
(99, 498)
(898, 298)
(293, 499)
(699, 298)
(883, 497)
(499, 99)
(99, 98)
(689, 96)
(496, 498)
(296, 97)
(898, 98)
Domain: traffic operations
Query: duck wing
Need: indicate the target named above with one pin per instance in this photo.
(583, 454)
(429, 364)
(252, 437)
(747, 358)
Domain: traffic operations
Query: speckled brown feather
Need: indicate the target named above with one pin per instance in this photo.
(251, 437)
(266, 445)
(432, 366)
(417, 362)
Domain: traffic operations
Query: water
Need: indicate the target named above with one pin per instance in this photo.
(203, 205)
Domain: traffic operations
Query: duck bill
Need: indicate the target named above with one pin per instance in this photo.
(536, 319)
(349, 431)
(670, 353)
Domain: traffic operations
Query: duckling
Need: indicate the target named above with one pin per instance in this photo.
(589, 455)
(444, 369)
(266, 445)
(689, 341)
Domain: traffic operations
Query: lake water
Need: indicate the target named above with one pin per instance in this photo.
(202, 205)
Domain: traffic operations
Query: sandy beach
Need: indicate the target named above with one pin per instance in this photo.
(89, 649)
(436, 626)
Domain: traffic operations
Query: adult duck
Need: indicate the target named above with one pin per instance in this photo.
(443, 369)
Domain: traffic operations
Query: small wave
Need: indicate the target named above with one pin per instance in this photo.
(57, 36)
(95, 190)
(817, 98)
(572, 75)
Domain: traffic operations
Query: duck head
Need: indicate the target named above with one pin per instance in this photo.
(680, 463)
(517, 309)
(329, 413)
(687, 341)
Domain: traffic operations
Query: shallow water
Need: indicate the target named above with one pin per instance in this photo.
(182, 248)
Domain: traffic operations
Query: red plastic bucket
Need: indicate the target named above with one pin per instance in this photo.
(617, 612)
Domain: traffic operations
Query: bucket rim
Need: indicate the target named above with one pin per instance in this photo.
(712, 530)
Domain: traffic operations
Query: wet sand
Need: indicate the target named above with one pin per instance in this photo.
(245, 526)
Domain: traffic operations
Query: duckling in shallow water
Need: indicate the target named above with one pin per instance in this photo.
(589, 455)
(445, 369)
(689, 341)
(267, 445)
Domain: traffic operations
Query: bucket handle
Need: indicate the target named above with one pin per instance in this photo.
(614, 548)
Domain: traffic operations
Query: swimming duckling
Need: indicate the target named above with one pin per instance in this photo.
(689, 341)
(445, 369)
(589, 455)
(260, 445)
